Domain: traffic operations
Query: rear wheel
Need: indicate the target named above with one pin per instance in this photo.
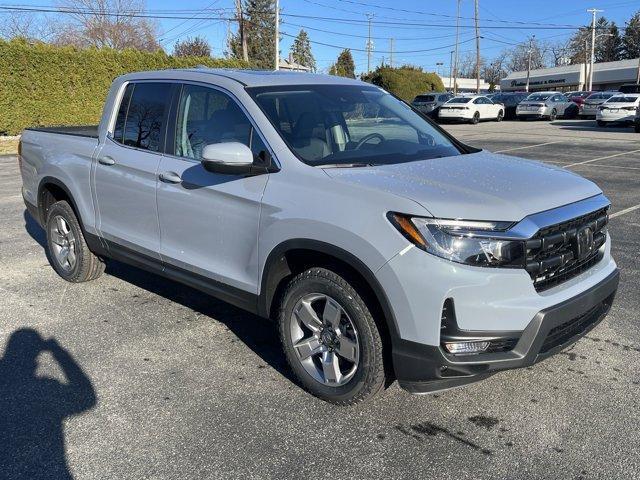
(476, 118)
(67, 249)
(637, 127)
(330, 338)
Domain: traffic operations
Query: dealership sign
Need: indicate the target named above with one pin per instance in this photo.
(551, 81)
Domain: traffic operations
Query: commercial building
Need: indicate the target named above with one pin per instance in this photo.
(465, 84)
(606, 76)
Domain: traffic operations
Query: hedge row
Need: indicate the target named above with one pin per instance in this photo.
(406, 82)
(44, 85)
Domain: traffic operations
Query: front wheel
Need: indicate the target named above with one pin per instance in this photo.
(500, 116)
(637, 127)
(67, 249)
(330, 338)
(476, 118)
(553, 115)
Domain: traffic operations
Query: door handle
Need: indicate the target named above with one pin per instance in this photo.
(106, 160)
(170, 177)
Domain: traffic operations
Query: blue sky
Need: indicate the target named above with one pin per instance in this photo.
(350, 30)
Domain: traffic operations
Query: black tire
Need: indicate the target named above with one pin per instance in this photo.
(554, 115)
(637, 127)
(369, 377)
(600, 123)
(500, 116)
(476, 118)
(86, 266)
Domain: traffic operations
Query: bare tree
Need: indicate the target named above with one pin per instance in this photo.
(467, 65)
(192, 47)
(29, 26)
(560, 53)
(108, 23)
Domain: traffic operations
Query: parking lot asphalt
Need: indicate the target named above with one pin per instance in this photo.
(165, 382)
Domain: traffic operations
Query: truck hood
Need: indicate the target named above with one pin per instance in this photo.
(478, 186)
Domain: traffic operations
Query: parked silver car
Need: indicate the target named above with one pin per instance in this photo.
(589, 108)
(383, 248)
(549, 105)
(430, 103)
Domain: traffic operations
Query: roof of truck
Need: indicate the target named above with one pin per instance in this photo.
(254, 78)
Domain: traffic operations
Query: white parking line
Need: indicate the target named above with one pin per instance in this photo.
(626, 210)
(528, 146)
(602, 158)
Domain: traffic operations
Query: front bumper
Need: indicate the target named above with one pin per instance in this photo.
(424, 368)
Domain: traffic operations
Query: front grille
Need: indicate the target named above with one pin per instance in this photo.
(564, 332)
(562, 251)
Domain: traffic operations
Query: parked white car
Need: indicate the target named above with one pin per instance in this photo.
(590, 106)
(471, 109)
(548, 105)
(620, 108)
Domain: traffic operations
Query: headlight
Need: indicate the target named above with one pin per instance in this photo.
(469, 242)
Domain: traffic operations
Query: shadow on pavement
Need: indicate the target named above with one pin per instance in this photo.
(32, 408)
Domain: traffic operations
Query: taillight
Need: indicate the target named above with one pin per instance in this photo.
(629, 108)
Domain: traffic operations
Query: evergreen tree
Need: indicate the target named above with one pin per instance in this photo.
(611, 48)
(344, 66)
(260, 30)
(631, 37)
(301, 51)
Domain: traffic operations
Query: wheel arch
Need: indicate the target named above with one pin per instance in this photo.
(51, 190)
(296, 255)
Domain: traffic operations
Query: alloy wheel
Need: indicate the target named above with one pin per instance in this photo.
(325, 339)
(63, 243)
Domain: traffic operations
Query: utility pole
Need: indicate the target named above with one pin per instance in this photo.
(391, 52)
(451, 70)
(638, 76)
(529, 62)
(455, 65)
(477, 49)
(369, 42)
(586, 64)
(243, 33)
(594, 12)
(277, 59)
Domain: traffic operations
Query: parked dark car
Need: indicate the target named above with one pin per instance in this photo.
(510, 100)
(430, 103)
(630, 88)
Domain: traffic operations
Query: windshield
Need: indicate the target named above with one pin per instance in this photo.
(622, 100)
(538, 97)
(349, 125)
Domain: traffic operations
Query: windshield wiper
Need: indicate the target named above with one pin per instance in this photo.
(345, 165)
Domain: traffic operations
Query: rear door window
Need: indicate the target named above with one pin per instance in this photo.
(145, 122)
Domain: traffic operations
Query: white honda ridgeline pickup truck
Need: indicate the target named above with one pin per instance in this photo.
(384, 247)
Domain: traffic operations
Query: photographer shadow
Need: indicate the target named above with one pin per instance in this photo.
(33, 408)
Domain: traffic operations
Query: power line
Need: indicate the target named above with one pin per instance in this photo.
(179, 16)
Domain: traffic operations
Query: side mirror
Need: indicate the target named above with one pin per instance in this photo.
(233, 158)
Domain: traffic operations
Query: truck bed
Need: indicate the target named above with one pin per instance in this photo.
(78, 130)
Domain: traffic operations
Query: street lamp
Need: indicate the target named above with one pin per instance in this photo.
(438, 64)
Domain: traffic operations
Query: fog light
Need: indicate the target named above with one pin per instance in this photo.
(466, 347)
